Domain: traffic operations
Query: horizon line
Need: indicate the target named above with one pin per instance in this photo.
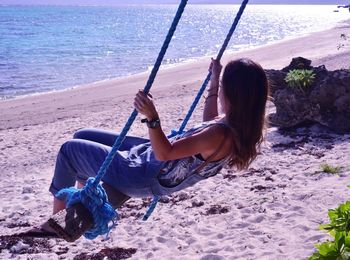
(133, 4)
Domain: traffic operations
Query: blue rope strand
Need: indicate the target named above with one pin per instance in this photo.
(93, 196)
(200, 92)
(151, 208)
(146, 89)
(218, 57)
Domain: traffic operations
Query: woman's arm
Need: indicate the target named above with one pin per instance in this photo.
(211, 102)
(204, 142)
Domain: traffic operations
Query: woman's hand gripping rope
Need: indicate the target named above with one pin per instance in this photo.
(143, 103)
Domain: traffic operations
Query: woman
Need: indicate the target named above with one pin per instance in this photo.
(159, 166)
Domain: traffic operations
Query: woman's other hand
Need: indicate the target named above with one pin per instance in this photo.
(215, 69)
(143, 103)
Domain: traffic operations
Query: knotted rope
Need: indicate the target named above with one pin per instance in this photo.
(93, 196)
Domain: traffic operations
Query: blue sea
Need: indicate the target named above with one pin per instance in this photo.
(50, 48)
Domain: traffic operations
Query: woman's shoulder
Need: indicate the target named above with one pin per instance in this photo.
(218, 142)
(218, 121)
(220, 132)
(218, 124)
(214, 128)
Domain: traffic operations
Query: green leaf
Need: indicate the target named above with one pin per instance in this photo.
(327, 249)
(339, 228)
(315, 256)
(339, 240)
(300, 78)
(347, 242)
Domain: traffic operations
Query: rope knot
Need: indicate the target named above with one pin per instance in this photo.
(95, 199)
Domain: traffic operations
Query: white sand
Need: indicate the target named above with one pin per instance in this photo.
(271, 211)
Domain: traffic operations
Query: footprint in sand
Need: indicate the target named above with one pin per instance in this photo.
(212, 257)
(256, 219)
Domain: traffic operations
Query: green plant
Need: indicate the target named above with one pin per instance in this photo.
(338, 228)
(300, 78)
(330, 169)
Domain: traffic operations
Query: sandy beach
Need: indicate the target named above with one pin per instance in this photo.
(271, 211)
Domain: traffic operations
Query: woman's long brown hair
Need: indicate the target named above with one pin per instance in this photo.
(246, 89)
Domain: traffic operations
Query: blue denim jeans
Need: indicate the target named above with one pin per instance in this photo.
(82, 157)
(134, 170)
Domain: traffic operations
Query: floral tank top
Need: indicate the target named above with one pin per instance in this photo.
(176, 171)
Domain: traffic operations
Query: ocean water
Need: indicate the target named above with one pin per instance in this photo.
(52, 48)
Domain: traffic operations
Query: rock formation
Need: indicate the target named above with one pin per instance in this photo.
(326, 101)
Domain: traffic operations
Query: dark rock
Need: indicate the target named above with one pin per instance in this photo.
(269, 178)
(196, 204)
(276, 80)
(62, 250)
(326, 101)
(230, 176)
(298, 63)
(216, 209)
(164, 199)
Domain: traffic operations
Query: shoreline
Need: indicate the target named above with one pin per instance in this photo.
(319, 47)
(185, 61)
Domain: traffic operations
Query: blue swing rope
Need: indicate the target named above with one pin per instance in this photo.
(207, 79)
(93, 196)
(199, 94)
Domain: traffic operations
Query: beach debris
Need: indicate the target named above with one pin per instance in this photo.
(216, 209)
(108, 253)
(18, 224)
(345, 41)
(229, 177)
(327, 168)
(27, 189)
(326, 101)
(197, 203)
(262, 188)
(179, 197)
(62, 250)
(18, 245)
(164, 199)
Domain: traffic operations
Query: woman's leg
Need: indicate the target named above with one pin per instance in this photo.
(77, 161)
(108, 138)
(116, 198)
